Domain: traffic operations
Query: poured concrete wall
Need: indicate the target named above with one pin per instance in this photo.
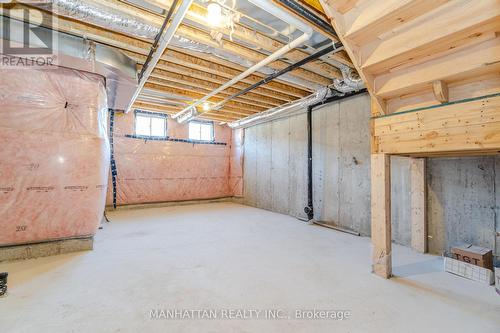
(275, 164)
(463, 202)
(463, 199)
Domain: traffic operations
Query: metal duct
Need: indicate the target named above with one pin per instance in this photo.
(351, 81)
(78, 53)
(284, 110)
(113, 19)
(99, 14)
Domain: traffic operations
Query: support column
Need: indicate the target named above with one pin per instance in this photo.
(381, 214)
(418, 199)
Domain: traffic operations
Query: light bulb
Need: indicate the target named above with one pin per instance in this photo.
(206, 106)
(214, 14)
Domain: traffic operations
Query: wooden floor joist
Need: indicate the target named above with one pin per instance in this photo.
(203, 71)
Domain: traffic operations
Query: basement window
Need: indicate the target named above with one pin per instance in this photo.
(150, 124)
(201, 130)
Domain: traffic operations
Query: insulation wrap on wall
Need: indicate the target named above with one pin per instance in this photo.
(54, 159)
(150, 171)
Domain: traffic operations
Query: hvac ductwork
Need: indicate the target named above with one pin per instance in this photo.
(351, 81)
(113, 19)
(84, 55)
(285, 110)
(101, 15)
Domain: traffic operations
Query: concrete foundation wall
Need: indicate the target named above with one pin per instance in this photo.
(275, 164)
(463, 199)
(463, 202)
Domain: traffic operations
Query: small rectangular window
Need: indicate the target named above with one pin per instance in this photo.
(201, 130)
(150, 124)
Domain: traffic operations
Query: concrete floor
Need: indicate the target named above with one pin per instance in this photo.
(227, 256)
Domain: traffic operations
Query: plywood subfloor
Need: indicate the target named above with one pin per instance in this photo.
(228, 256)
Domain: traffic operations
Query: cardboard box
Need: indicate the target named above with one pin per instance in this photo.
(469, 271)
(476, 255)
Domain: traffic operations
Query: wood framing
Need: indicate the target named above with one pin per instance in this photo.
(433, 71)
(418, 202)
(381, 214)
(406, 49)
(469, 126)
(197, 71)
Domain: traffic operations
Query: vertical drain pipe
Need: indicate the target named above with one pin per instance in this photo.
(309, 209)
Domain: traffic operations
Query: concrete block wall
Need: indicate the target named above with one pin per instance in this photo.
(463, 196)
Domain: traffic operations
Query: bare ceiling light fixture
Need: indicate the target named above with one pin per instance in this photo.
(214, 14)
(207, 106)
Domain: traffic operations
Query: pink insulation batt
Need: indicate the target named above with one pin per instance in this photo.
(54, 158)
(151, 171)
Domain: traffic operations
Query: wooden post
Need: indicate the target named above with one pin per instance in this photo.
(440, 90)
(418, 199)
(381, 214)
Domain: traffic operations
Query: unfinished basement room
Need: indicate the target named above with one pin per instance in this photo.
(250, 166)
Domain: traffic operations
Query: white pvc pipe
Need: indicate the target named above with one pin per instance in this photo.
(162, 45)
(280, 13)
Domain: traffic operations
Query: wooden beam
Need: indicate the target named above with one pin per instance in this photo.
(194, 93)
(440, 90)
(148, 106)
(475, 61)
(418, 202)
(341, 57)
(236, 49)
(463, 127)
(343, 6)
(198, 13)
(141, 47)
(174, 60)
(219, 80)
(456, 23)
(381, 215)
(193, 87)
(250, 98)
(377, 17)
(352, 50)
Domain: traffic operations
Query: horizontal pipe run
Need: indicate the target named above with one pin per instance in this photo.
(336, 47)
(283, 15)
(285, 49)
(306, 14)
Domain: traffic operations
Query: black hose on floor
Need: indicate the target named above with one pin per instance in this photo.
(3, 283)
